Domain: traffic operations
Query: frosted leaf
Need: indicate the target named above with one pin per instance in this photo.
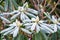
(7, 29)
(14, 16)
(8, 32)
(26, 31)
(15, 32)
(37, 28)
(32, 11)
(6, 20)
(30, 15)
(33, 27)
(45, 27)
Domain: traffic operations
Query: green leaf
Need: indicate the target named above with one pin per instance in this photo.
(15, 4)
(58, 34)
(48, 16)
(10, 5)
(21, 37)
(53, 37)
(1, 8)
(39, 36)
(6, 5)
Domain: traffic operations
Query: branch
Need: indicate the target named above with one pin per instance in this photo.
(54, 7)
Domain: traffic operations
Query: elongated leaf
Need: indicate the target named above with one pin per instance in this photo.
(26, 31)
(1, 8)
(54, 36)
(45, 27)
(30, 15)
(32, 11)
(58, 34)
(21, 37)
(39, 36)
(6, 20)
(24, 17)
(48, 16)
(15, 4)
(7, 29)
(15, 16)
(6, 5)
(10, 5)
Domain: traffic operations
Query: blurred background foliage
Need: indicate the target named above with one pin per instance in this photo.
(51, 6)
